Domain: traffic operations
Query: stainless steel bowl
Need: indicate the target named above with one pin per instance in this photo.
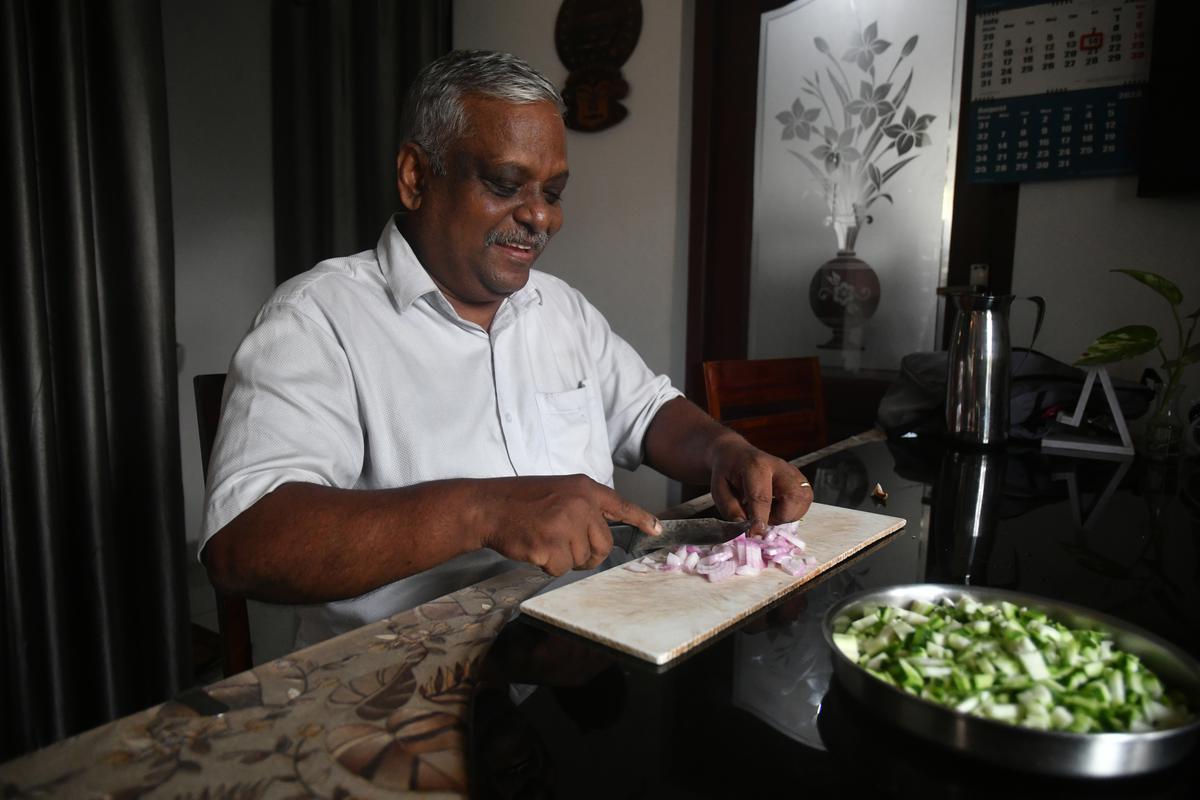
(1095, 755)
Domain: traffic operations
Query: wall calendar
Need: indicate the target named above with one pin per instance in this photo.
(1057, 88)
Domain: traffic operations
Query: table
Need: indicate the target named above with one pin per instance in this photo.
(756, 713)
(456, 692)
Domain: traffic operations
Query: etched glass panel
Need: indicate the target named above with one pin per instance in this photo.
(857, 118)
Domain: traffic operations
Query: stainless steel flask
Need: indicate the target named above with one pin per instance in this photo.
(979, 368)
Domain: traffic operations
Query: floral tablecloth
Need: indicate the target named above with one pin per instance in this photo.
(373, 713)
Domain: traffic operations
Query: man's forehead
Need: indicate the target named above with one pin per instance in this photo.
(493, 113)
(482, 103)
(503, 132)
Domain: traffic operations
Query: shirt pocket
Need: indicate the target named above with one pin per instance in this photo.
(575, 432)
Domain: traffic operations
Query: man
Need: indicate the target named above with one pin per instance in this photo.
(403, 422)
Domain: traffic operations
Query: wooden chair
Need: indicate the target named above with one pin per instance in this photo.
(233, 621)
(776, 403)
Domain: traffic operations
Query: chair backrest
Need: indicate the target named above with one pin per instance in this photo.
(233, 620)
(776, 403)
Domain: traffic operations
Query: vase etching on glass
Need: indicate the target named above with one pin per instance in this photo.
(844, 292)
(858, 146)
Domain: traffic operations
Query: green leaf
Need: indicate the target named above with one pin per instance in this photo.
(1191, 355)
(1156, 282)
(1127, 342)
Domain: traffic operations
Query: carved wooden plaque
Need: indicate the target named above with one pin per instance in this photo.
(594, 38)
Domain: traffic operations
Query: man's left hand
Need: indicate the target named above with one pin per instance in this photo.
(750, 484)
(687, 444)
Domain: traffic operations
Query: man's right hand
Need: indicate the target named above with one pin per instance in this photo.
(558, 523)
(305, 543)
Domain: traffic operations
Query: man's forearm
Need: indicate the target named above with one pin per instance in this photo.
(305, 543)
(681, 440)
(686, 444)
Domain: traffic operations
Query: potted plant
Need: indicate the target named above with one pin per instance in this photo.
(1164, 428)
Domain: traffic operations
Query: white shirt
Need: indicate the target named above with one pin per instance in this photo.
(359, 374)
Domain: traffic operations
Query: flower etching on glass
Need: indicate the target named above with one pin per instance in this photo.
(842, 293)
(858, 144)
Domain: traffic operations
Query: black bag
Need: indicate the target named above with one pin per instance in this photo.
(1041, 387)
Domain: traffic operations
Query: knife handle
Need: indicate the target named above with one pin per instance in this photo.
(622, 535)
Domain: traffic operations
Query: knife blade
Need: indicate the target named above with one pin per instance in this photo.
(675, 532)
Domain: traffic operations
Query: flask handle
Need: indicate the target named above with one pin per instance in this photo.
(1040, 302)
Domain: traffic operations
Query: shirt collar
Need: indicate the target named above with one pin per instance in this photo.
(404, 274)
(409, 281)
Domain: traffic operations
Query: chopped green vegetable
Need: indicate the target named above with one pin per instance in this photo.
(1006, 662)
(847, 644)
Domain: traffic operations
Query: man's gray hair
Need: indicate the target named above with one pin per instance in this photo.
(434, 116)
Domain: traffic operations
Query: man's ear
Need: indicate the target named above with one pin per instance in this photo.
(412, 172)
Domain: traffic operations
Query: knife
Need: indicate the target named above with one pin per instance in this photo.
(674, 533)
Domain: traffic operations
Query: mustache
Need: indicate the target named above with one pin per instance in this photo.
(536, 241)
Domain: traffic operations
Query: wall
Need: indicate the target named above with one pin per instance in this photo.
(1071, 233)
(624, 241)
(219, 115)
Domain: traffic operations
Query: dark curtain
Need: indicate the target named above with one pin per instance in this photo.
(340, 69)
(94, 618)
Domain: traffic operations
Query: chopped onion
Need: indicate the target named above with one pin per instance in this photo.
(742, 555)
(787, 529)
(795, 540)
(754, 555)
(723, 570)
(792, 566)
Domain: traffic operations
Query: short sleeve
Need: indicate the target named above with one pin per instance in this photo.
(290, 414)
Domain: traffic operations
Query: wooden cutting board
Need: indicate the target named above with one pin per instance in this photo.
(659, 616)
